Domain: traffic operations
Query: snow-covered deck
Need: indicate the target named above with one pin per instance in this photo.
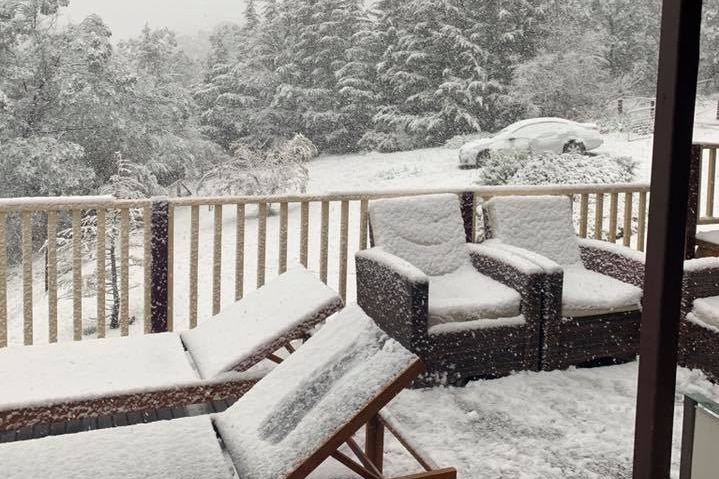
(562, 424)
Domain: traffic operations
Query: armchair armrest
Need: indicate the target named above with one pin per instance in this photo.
(512, 270)
(701, 280)
(395, 294)
(546, 264)
(619, 262)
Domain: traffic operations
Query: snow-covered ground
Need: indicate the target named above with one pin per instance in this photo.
(576, 424)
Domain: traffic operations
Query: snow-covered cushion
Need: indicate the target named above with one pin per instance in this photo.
(426, 231)
(311, 396)
(706, 310)
(57, 373)
(467, 295)
(542, 224)
(587, 293)
(247, 331)
(179, 449)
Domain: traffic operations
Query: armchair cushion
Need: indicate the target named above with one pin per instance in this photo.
(467, 295)
(426, 231)
(542, 224)
(705, 311)
(587, 293)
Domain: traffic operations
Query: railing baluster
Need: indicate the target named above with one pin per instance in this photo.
(52, 276)
(240, 252)
(711, 182)
(194, 245)
(100, 271)
(283, 238)
(613, 213)
(261, 243)
(642, 228)
(599, 216)
(3, 280)
(26, 227)
(124, 272)
(171, 268)
(344, 230)
(363, 224)
(324, 240)
(76, 275)
(583, 214)
(628, 205)
(304, 231)
(147, 267)
(217, 261)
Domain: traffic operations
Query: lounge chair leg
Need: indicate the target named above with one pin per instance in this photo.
(374, 442)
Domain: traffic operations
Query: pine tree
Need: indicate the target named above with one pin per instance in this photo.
(252, 19)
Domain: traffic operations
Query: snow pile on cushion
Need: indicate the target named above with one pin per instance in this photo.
(587, 293)
(179, 449)
(467, 295)
(293, 411)
(243, 334)
(706, 311)
(426, 231)
(542, 224)
(57, 373)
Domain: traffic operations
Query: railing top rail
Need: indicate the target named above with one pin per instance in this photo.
(108, 202)
(377, 194)
(57, 203)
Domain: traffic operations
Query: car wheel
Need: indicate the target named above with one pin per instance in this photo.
(482, 158)
(575, 147)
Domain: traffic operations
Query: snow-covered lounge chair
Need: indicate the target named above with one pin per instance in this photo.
(466, 310)
(699, 328)
(592, 297)
(219, 359)
(289, 423)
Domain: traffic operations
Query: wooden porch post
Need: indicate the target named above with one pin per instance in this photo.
(695, 166)
(159, 293)
(676, 95)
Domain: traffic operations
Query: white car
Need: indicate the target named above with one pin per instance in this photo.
(538, 135)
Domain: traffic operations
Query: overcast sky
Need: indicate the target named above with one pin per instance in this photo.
(126, 17)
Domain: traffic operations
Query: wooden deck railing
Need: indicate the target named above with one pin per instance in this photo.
(199, 254)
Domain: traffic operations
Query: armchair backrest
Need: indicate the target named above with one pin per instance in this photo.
(426, 231)
(542, 224)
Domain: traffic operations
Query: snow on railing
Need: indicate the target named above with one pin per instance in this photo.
(163, 264)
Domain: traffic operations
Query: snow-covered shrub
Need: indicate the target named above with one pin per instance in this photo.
(385, 142)
(574, 169)
(501, 167)
(281, 169)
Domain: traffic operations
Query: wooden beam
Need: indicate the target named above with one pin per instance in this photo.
(449, 473)
(676, 95)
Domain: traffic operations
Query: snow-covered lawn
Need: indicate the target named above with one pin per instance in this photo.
(575, 424)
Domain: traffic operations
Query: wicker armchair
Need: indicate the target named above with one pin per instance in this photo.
(467, 310)
(591, 300)
(699, 327)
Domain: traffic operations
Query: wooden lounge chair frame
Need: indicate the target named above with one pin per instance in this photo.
(228, 386)
(370, 459)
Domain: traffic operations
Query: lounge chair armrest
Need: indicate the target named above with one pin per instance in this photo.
(395, 294)
(701, 280)
(619, 262)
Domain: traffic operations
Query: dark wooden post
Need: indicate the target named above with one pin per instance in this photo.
(676, 96)
(695, 167)
(466, 202)
(620, 106)
(160, 216)
(652, 108)
(689, 420)
(374, 442)
(717, 109)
